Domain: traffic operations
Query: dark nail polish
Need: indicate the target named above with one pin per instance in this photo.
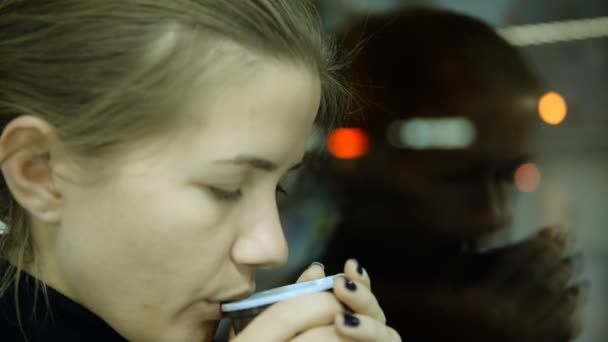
(359, 268)
(577, 261)
(349, 284)
(573, 290)
(350, 320)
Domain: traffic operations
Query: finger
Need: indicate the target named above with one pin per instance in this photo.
(557, 237)
(327, 333)
(566, 272)
(552, 246)
(525, 259)
(358, 298)
(550, 271)
(354, 270)
(559, 320)
(284, 320)
(315, 271)
(364, 329)
(548, 242)
(549, 276)
(577, 319)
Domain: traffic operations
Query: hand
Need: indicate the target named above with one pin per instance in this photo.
(322, 316)
(526, 291)
(537, 284)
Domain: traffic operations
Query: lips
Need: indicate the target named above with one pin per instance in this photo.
(216, 313)
(237, 294)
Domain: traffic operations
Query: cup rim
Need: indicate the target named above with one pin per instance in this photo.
(281, 293)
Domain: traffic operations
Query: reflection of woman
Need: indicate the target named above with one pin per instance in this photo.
(142, 146)
(427, 210)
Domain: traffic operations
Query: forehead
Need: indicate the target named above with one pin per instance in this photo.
(263, 105)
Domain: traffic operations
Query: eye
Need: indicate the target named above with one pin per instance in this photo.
(226, 195)
(462, 178)
(506, 174)
(282, 194)
(281, 190)
(287, 182)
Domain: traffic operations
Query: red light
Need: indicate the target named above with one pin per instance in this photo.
(348, 143)
(527, 177)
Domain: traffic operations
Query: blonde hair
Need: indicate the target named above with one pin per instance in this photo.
(110, 73)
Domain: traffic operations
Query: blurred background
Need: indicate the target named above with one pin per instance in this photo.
(563, 182)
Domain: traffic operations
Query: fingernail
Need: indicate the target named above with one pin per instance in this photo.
(359, 267)
(583, 295)
(545, 233)
(350, 320)
(573, 290)
(349, 284)
(316, 263)
(576, 261)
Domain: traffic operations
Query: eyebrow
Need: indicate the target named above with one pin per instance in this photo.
(254, 162)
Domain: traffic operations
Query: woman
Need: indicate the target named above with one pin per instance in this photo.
(461, 277)
(143, 145)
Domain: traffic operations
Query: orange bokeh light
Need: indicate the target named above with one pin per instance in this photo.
(348, 143)
(527, 177)
(552, 108)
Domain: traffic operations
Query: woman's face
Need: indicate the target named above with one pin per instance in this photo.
(156, 247)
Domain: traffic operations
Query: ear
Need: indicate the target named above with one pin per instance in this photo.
(26, 153)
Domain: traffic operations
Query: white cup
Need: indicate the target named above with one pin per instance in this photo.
(242, 312)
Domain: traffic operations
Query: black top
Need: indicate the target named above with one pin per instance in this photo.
(61, 320)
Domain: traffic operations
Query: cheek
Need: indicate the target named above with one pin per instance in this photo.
(183, 223)
(147, 231)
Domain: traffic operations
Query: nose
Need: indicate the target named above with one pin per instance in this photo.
(261, 242)
(494, 197)
(497, 205)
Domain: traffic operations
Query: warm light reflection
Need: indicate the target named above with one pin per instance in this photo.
(552, 108)
(527, 177)
(348, 143)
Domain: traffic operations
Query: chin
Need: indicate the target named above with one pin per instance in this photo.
(202, 333)
(207, 332)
